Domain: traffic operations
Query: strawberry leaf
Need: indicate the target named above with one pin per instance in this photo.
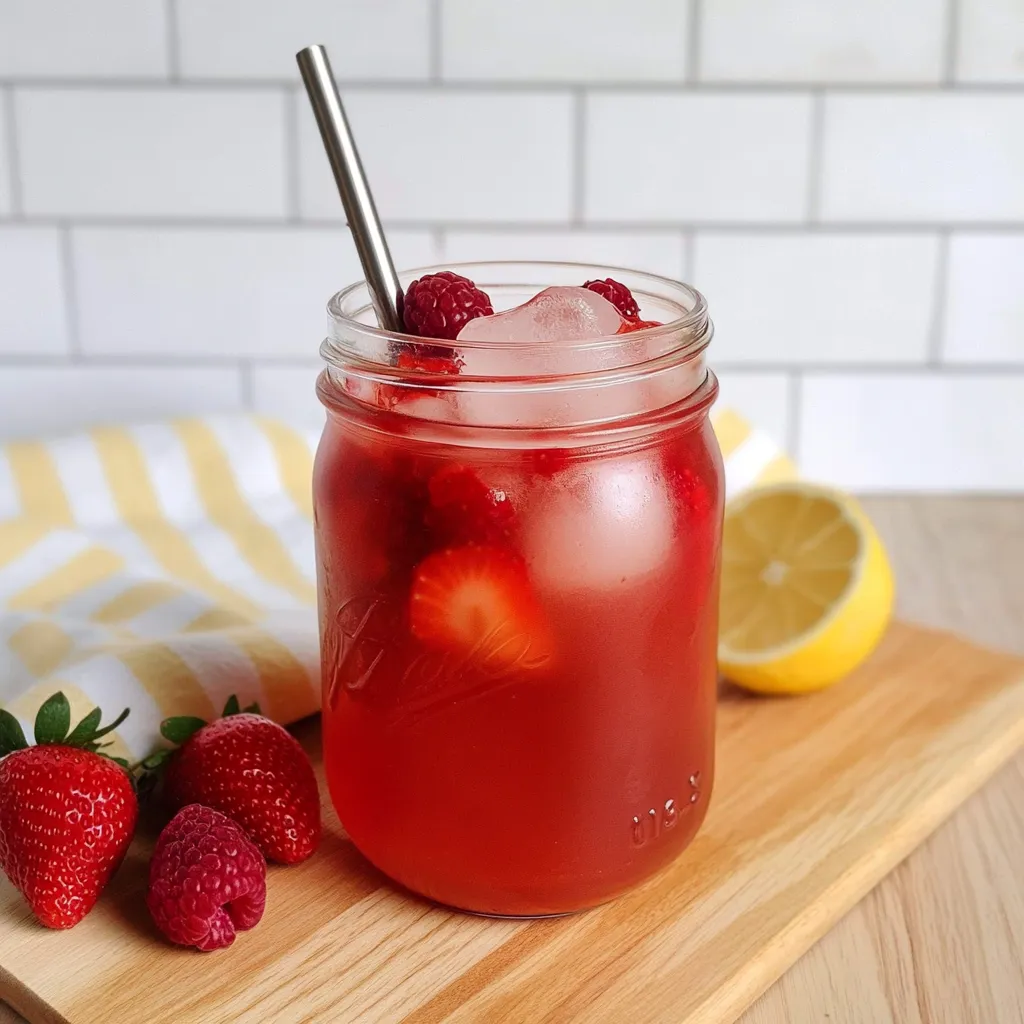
(123, 762)
(156, 760)
(232, 706)
(113, 725)
(53, 720)
(181, 728)
(12, 737)
(253, 709)
(82, 733)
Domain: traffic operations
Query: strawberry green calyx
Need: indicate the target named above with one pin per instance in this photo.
(181, 728)
(232, 708)
(53, 728)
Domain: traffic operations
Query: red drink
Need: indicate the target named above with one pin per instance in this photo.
(519, 625)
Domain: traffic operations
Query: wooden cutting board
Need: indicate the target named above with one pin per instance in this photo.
(816, 798)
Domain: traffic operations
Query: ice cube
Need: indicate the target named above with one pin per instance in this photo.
(427, 407)
(555, 314)
(598, 528)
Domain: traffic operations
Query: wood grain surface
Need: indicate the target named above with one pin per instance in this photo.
(941, 939)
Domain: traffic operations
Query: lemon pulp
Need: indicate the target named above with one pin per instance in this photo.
(806, 588)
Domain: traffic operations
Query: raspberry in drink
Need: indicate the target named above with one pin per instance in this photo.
(518, 526)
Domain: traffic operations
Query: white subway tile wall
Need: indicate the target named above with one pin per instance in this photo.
(767, 398)
(845, 181)
(985, 300)
(566, 41)
(72, 39)
(33, 301)
(288, 391)
(924, 157)
(787, 299)
(990, 46)
(47, 400)
(823, 41)
(211, 293)
(258, 39)
(437, 156)
(710, 158)
(658, 252)
(912, 432)
(151, 152)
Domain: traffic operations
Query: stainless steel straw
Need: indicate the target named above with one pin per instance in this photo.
(385, 290)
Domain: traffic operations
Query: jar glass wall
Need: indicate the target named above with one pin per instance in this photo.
(518, 580)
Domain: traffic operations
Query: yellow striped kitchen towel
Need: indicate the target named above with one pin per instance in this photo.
(164, 567)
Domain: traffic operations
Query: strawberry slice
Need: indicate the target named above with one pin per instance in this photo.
(477, 601)
(464, 510)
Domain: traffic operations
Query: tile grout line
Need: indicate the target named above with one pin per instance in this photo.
(70, 281)
(661, 226)
(579, 158)
(292, 158)
(440, 239)
(674, 87)
(690, 258)
(937, 327)
(246, 368)
(173, 40)
(693, 28)
(951, 42)
(794, 414)
(815, 158)
(435, 42)
(13, 156)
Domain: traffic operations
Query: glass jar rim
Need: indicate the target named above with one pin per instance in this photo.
(536, 384)
(351, 337)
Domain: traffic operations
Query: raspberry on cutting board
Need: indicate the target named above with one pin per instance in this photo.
(207, 880)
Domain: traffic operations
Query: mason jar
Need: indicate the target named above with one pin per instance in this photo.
(518, 550)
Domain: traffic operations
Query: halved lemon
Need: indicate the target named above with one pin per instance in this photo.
(806, 588)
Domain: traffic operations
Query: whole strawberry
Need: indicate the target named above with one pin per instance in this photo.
(67, 813)
(254, 771)
(206, 880)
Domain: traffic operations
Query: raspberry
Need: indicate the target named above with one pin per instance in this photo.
(206, 879)
(464, 510)
(440, 305)
(617, 294)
